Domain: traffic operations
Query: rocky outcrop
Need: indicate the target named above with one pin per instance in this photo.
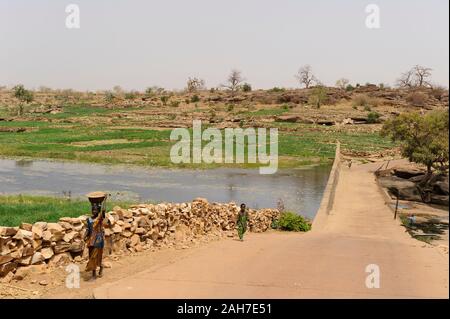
(138, 228)
(406, 182)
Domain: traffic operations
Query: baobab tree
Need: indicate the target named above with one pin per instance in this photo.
(305, 76)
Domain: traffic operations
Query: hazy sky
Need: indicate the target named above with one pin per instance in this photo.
(138, 43)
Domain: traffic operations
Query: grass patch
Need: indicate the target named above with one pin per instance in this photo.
(266, 112)
(16, 209)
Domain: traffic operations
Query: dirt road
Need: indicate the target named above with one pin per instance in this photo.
(327, 263)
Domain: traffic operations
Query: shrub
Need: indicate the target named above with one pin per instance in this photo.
(349, 88)
(22, 94)
(289, 221)
(130, 96)
(164, 99)
(277, 89)
(230, 107)
(318, 96)
(285, 107)
(417, 98)
(246, 87)
(175, 103)
(195, 99)
(109, 97)
(373, 117)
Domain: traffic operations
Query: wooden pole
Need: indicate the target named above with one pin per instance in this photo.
(396, 206)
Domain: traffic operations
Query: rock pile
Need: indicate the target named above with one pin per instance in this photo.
(138, 228)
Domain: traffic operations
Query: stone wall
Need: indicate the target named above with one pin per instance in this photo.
(141, 227)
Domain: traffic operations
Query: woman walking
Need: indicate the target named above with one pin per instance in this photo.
(95, 235)
(242, 222)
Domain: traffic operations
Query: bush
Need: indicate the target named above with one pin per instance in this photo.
(373, 117)
(22, 94)
(289, 221)
(417, 98)
(246, 87)
(349, 88)
(164, 99)
(318, 96)
(277, 89)
(175, 103)
(195, 99)
(109, 97)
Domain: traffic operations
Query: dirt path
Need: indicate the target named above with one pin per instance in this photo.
(326, 263)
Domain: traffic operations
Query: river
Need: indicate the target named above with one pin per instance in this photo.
(300, 190)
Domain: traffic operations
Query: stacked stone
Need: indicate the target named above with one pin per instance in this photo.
(141, 227)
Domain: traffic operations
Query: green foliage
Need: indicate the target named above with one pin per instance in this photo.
(349, 88)
(423, 138)
(289, 221)
(373, 117)
(277, 90)
(318, 96)
(195, 99)
(22, 94)
(246, 87)
(230, 107)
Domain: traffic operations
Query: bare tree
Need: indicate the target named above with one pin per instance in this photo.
(406, 80)
(234, 81)
(422, 74)
(342, 83)
(415, 77)
(305, 76)
(195, 84)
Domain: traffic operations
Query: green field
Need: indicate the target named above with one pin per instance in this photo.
(152, 147)
(299, 144)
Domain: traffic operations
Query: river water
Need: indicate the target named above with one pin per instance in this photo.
(300, 190)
